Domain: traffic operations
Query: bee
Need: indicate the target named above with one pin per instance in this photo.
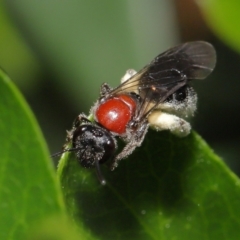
(159, 96)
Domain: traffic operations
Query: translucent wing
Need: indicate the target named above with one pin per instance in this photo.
(168, 72)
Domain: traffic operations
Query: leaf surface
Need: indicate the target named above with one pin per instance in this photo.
(29, 190)
(169, 188)
(223, 17)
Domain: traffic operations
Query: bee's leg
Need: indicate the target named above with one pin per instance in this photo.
(135, 141)
(104, 89)
(81, 118)
(129, 73)
(165, 121)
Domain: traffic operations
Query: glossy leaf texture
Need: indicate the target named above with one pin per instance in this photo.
(169, 188)
(223, 17)
(29, 190)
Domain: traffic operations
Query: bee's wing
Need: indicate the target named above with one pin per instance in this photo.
(168, 72)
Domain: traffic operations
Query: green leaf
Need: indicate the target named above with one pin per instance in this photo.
(57, 228)
(169, 188)
(223, 17)
(29, 190)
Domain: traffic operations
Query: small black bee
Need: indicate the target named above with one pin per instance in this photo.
(158, 95)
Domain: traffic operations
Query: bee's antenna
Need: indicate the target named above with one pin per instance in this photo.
(57, 154)
(97, 166)
(99, 173)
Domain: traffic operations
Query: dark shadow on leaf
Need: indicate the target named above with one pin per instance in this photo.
(149, 181)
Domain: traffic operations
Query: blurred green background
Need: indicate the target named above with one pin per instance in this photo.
(58, 52)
